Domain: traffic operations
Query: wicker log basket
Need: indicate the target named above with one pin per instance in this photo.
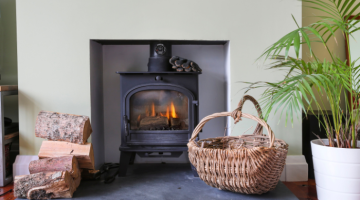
(250, 164)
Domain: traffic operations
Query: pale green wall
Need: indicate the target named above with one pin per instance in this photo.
(8, 56)
(53, 48)
(51, 78)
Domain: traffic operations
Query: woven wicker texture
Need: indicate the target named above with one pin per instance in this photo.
(259, 128)
(250, 164)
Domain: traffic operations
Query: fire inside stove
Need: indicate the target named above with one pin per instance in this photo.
(159, 110)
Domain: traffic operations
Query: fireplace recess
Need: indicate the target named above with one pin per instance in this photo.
(159, 109)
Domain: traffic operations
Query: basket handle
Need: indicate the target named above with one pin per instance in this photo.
(259, 128)
(235, 114)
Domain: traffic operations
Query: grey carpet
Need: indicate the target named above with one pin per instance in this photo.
(168, 182)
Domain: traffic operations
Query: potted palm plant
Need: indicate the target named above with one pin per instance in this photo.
(337, 158)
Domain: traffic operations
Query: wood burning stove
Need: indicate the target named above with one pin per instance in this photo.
(159, 109)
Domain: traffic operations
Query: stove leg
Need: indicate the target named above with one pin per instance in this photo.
(194, 171)
(132, 158)
(124, 162)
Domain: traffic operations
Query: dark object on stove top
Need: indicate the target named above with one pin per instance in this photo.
(160, 53)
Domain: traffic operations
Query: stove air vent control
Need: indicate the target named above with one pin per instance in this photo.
(160, 49)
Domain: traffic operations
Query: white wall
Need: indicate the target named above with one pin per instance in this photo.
(53, 48)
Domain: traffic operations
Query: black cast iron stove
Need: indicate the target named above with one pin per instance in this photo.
(159, 109)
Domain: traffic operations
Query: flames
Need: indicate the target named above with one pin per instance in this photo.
(173, 112)
(170, 112)
(167, 114)
(153, 114)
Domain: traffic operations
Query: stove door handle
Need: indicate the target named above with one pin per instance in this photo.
(126, 124)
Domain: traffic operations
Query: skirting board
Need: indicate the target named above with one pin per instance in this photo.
(296, 169)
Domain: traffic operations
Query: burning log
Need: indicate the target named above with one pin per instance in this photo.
(175, 121)
(154, 122)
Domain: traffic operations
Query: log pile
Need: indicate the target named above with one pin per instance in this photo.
(58, 172)
(183, 64)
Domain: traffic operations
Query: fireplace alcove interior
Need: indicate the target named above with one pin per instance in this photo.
(109, 56)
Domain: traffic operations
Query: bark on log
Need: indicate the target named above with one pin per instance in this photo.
(77, 180)
(195, 67)
(44, 185)
(173, 59)
(63, 127)
(179, 62)
(175, 121)
(65, 163)
(84, 153)
(179, 69)
(188, 69)
(186, 65)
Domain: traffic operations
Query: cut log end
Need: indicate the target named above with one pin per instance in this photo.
(84, 153)
(44, 185)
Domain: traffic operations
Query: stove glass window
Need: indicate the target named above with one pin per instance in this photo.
(159, 110)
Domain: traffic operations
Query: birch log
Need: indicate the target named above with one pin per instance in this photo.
(44, 185)
(64, 163)
(84, 153)
(63, 127)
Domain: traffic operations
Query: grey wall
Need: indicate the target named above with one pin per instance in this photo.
(212, 86)
(97, 103)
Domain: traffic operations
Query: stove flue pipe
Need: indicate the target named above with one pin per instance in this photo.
(160, 53)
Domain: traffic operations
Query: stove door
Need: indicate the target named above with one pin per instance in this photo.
(160, 114)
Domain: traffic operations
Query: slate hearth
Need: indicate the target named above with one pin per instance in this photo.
(165, 181)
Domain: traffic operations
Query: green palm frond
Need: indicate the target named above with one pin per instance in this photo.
(330, 78)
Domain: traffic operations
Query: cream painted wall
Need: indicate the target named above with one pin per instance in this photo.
(53, 48)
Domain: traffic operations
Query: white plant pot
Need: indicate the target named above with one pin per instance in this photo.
(337, 171)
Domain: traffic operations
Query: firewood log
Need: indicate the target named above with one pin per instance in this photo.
(63, 127)
(173, 59)
(154, 122)
(77, 180)
(64, 163)
(179, 69)
(84, 153)
(186, 64)
(195, 67)
(44, 185)
(179, 62)
(188, 69)
(174, 67)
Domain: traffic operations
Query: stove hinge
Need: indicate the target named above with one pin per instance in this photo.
(126, 125)
(195, 102)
